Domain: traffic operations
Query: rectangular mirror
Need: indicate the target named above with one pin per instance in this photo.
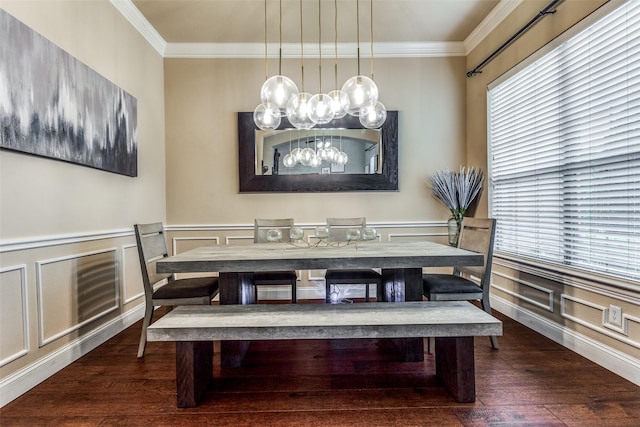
(372, 163)
(363, 149)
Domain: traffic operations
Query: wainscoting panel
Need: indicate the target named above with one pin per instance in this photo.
(74, 290)
(132, 287)
(596, 318)
(526, 291)
(14, 340)
(182, 244)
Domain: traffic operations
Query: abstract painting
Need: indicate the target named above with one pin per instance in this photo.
(53, 105)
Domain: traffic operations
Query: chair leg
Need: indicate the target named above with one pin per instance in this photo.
(366, 293)
(294, 298)
(486, 307)
(148, 315)
(327, 296)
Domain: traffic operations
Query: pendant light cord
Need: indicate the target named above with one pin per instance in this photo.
(319, 47)
(280, 47)
(266, 67)
(335, 42)
(301, 48)
(358, 32)
(371, 35)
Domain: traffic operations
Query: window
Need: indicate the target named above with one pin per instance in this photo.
(564, 141)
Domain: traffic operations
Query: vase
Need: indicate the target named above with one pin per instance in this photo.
(454, 224)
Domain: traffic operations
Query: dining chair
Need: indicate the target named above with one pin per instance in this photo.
(260, 232)
(338, 230)
(477, 235)
(164, 289)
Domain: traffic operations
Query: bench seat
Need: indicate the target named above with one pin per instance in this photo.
(452, 323)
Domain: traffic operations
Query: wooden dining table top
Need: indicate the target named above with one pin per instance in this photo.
(286, 256)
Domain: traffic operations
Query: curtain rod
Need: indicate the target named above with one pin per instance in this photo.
(546, 11)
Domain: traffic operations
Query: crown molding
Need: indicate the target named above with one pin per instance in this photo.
(140, 23)
(292, 50)
(489, 23)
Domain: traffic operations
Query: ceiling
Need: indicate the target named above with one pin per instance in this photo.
(243, 21)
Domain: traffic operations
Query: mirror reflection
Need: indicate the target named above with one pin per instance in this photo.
(318, 151)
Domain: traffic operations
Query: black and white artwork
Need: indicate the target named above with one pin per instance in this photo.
(53, 105)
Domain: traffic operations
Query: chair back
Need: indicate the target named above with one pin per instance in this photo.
(262, 226)
(152, 246)
(478, 235)
(338, 227)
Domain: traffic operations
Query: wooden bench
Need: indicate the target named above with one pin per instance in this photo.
(452, 324)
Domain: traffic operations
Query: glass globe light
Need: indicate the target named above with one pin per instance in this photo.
(332, 153)
(296, 154)
(341, 158)
(372, 116)
(320, 109)
(288, 161)
(336, 104)
(358, 91)
(278, 90)
(298, 111)
(267, 116)
(316, 161)
(307, 156)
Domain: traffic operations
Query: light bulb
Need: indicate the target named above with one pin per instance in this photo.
(267, 116)
(315, 162)
(307, 156)
(332, 153)
(288, 161)
(336, 105)
(372, 116)
(278, 90)
(341, 158)
(358, 91)
(320, 110)
(298, 111)
(296, 153)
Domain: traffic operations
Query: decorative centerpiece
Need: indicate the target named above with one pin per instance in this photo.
(456, 190)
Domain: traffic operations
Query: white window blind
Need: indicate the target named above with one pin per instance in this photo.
(564, 141)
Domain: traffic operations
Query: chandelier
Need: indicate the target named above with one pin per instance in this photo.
(280, 96)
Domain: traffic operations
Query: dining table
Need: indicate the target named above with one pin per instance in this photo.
(401, 265)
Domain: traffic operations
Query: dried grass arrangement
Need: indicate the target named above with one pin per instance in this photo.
(457, 190)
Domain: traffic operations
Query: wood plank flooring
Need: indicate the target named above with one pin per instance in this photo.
(530, 381)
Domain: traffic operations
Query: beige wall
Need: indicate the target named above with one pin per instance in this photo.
(59, 222)
(204, 95)
(565, 306)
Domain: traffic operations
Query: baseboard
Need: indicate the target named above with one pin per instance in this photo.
(30, 376)
(605, 356)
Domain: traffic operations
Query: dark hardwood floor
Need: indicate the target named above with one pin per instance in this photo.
(530, 381)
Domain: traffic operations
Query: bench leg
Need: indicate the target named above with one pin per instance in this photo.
(235, 288)
(455, 367)
(194, 371)
(404, 284)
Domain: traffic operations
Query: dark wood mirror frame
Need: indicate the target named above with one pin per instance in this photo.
(252, 183)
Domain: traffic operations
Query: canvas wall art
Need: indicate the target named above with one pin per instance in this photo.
(53, 105)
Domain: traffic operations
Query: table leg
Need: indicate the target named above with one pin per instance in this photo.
(194, 371)
(404, 284)
(235, 288)
(455, 367)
